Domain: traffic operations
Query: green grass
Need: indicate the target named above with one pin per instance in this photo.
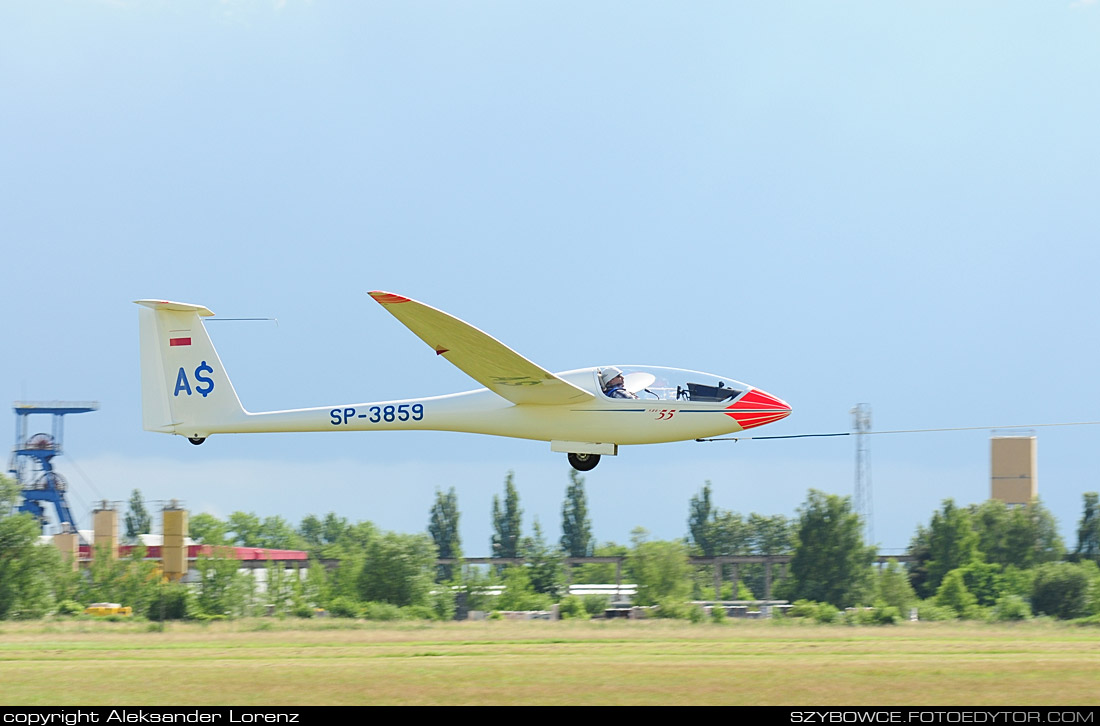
(247, 663)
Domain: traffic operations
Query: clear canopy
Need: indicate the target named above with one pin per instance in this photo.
(677, 384)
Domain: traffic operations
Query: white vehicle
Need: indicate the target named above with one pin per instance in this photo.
(584, 413)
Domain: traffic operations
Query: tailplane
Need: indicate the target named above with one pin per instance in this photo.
(184, 387)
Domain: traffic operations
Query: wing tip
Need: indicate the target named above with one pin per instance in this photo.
(387, 298)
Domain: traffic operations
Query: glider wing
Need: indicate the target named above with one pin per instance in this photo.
(481, 356)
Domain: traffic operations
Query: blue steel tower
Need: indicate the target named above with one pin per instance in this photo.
(31, 460)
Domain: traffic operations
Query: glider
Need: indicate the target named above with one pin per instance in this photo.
(585, 413)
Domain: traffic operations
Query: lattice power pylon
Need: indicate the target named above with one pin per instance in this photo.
(864, 497)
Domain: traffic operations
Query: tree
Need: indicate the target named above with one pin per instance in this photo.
(358, 536)
(722, 533)
(604, 573)
(344, 583)
(316, 590)
(171, 601)
(772, 535)
(990, 521)
(518, 593)
(543, 563)
(27, 571)
(952, 593)
(984, 581)
(278, 534)
(700, 523)
(350, 548)
(220, 587)
(506, 521)
(951, 542)
(310, 530)
(576, 527)
(272, 532)
(138, 581)
(9, 495)
(921, 553)
(1020, 536)
(1060, 589)
(208, 529)
(29, 574)
(766, 535)
(830, 563)
(443, 528)
(1088, 529)
(279, 588)
(661, 570)
(322, 536)
(1048, 545)
(892, 588)
(137, 518)
(398, 569)
(1092, 573)
(245, 527)
(716, 532)
(334, 528)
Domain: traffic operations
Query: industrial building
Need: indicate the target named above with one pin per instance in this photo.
(1013, 467)
(174, 549)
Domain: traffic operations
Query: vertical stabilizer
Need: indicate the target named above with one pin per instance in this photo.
(184, 387)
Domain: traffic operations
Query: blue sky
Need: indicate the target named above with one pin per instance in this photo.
(890, 203)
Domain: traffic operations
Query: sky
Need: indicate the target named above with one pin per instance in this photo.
(855, 202)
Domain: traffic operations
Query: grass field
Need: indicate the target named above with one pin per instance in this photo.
(330, 662)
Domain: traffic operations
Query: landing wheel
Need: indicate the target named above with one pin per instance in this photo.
(584, 462)
(196, 440)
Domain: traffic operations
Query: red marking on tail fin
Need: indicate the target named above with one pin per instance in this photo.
(179, 341)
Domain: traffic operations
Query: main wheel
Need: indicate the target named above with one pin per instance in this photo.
(196, 440)
(584, 462)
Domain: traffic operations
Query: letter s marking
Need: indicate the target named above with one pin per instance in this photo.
(204, 380)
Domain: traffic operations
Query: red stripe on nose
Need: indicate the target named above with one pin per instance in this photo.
(758, 399)
(757, 408)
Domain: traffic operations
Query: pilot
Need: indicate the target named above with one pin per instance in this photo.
(613, 385)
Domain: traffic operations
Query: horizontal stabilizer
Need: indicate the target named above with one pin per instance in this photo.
(177, 307)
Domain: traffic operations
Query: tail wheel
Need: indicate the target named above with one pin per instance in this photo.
(196, 440)
(584, 462)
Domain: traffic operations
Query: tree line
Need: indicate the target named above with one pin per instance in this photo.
(985, 561)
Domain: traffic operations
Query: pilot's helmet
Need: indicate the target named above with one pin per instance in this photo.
(607, 374)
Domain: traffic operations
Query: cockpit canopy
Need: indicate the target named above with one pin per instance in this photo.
(675, 384)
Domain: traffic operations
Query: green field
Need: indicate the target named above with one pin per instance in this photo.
(272, 663)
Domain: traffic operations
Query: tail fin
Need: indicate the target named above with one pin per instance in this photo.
(184, 387)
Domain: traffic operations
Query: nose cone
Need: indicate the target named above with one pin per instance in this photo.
(757, 408)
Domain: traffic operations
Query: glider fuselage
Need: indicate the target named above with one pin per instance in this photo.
(649, 419)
